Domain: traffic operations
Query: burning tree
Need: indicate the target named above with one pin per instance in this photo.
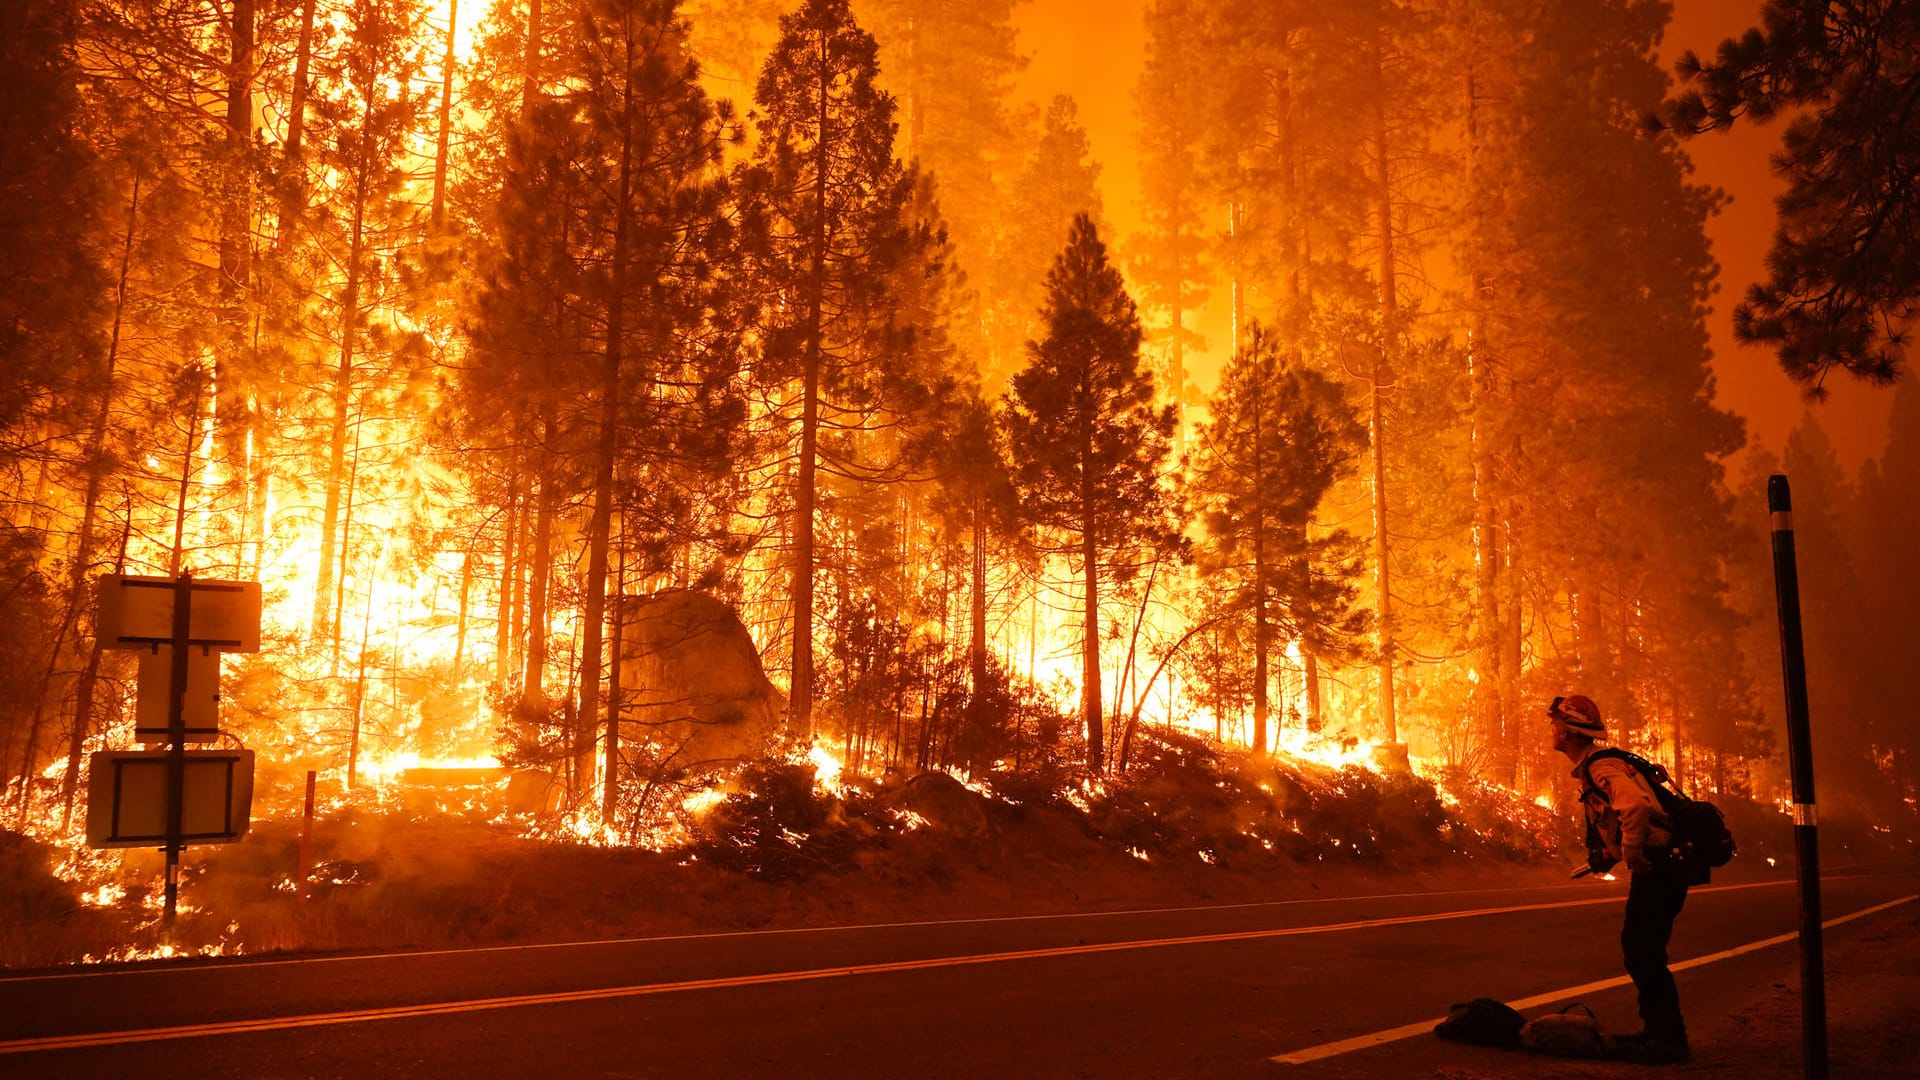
(606, 306)
(1279, 436)
(1089, 444)
(833, 202)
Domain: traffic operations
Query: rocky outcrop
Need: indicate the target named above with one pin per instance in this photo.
(945, 802)
(691, 681)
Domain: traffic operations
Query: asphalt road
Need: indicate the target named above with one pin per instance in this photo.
(1335, 987)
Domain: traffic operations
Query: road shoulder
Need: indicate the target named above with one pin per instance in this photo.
(1745, 1015)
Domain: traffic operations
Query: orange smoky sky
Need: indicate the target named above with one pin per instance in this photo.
(1750, 380)
(1094, 50)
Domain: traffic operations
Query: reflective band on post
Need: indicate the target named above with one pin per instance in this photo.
(1804, 813)
(1783, 521)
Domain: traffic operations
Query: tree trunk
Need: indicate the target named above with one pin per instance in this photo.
(1133, 718)
(346, 549)
(441, 144)
(1310, 674)
(539, 586)
(1262, 630)
(302, 66)
(1383, 364)
(599, 527)
(1178, 376)
(323, 622)
(460, 620)
(96, 465)
(800, 709)
(530, 73)
(1299, 303)
(1128, 695)
(293, 184)
(977, 634)
(1487, 705)
(38, 718)
(178, 553)
(360, 693)
(1090, 706)
(1681, 775)
(77, 735)
(259, 476)
(610, 799)
(231, 406)
(1510, 643)
(1235, 305)
(504, 617)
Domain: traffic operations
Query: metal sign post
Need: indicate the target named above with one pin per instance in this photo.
(1806, 817)
(145, 613)
(306, 839)
(177, 737)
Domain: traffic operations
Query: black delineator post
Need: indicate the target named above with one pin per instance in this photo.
(177, 738)
(306, 840)
(1806, 819)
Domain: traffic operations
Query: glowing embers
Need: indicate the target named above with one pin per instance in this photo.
(136, 953)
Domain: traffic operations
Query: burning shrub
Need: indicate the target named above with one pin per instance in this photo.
(1181, 796)
(774, 823)
(1490, 817)
(1369, 814)
(1186, 795)
(43, 919)
(538, 733)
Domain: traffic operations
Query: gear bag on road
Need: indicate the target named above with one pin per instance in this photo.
(1482, 1022)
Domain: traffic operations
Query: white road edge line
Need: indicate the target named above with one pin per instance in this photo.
(1424, 1027)
(398, 1012)
(184, 966)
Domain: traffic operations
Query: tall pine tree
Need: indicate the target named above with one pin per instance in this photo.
(1089, 444)
(1842, 284)
(1278, 436)
(834, 202)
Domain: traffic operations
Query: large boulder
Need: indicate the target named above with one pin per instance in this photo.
(946, 803)
(691, 681)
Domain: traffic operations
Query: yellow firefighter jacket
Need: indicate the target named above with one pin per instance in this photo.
(1622, 808)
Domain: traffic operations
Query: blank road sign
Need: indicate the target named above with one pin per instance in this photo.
(202, 713)
(127, 797)
(136, 611)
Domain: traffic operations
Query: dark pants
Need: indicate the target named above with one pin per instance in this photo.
(1654, 900)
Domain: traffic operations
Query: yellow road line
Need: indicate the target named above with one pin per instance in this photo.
(401, 1012)
(185, 966)
(1424, 1027)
